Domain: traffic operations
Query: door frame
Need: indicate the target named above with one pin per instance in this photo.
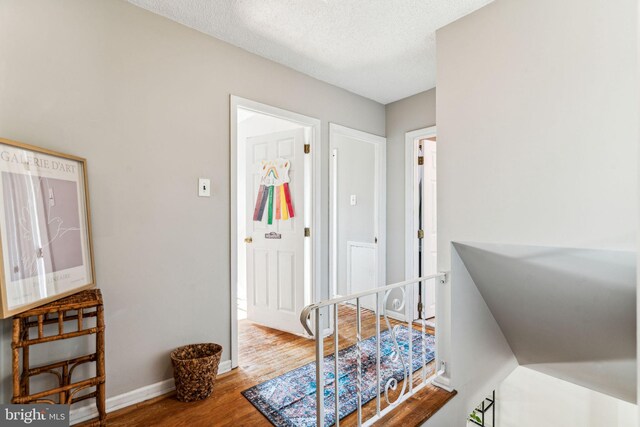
(411, 173)
(313, 137)
(381, 202)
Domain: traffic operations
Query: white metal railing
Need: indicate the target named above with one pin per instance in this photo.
(381, 296)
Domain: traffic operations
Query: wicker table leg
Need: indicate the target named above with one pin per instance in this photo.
(100, 370)
(25, 370)
(16, 358)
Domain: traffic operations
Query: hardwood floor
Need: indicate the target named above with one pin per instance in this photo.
(264, 354)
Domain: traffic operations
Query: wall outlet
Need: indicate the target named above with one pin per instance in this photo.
(396, 304)
(204, 187)
(353, 200)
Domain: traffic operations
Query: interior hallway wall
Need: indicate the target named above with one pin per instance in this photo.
(528, 398)
(146, 101)
(415, 112)
(538, 127)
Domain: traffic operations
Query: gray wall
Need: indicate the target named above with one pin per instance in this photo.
(414, 112)
(146, 101)
(482, 357)
(569, 313)
(538, 127)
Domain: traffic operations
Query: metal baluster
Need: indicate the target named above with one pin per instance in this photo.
(424, 340)
(410, 338)
(335, 361)
(392, 383)
(378, 354)
(359, 356)
(319, 372)
(382, 295)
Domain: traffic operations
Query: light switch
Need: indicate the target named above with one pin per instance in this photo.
(204, 187)
(354, 201)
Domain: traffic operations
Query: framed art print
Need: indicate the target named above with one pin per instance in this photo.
(45, 228)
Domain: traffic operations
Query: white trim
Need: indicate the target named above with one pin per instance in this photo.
(89, 411)
(443, 382)
(333, 221)
(314, 139)
(381, 202)
(410, 168)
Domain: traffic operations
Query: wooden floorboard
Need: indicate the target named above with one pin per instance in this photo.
(264, 354)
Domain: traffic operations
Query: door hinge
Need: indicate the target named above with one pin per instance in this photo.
(307, 232)
(420, 160)
(307, 148)
(420, 234)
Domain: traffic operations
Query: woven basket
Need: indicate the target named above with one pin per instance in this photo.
(195, 368)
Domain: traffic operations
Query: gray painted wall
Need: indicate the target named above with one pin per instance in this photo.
(481, 358)
(146, 101)
(414, 112)
(538, 127)
(569, 313)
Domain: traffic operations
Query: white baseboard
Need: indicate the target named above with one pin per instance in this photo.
(89, 411)
(396, 315)
(443, 382)
(225, 366)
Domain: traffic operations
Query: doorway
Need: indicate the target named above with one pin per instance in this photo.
(357, 199)
(274, 211)
(421, 220)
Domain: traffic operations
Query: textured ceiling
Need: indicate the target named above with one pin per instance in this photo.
(381, 49)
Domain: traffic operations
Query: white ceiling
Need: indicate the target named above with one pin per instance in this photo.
(381, 49)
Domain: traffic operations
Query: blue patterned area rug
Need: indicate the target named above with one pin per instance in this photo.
(290, 399)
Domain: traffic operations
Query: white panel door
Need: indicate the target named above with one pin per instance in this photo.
(275, 252)
(430, 242)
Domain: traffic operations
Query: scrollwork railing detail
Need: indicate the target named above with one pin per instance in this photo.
(405, 361)
(392, 383)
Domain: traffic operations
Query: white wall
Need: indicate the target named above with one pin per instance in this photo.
(481, 356)
(538, 128)
(569, 313)
(528, 398)
(537, 121)
(146, 101)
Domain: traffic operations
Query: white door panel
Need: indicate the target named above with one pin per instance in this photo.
(275, 266)
(362, 271)
(430, 242)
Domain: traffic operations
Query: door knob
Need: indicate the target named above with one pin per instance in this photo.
(248, 240)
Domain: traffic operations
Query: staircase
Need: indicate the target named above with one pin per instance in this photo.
(567, 313)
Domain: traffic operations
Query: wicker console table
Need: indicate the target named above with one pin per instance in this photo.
(77, 308)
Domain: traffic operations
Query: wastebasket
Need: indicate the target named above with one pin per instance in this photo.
(195, 367)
